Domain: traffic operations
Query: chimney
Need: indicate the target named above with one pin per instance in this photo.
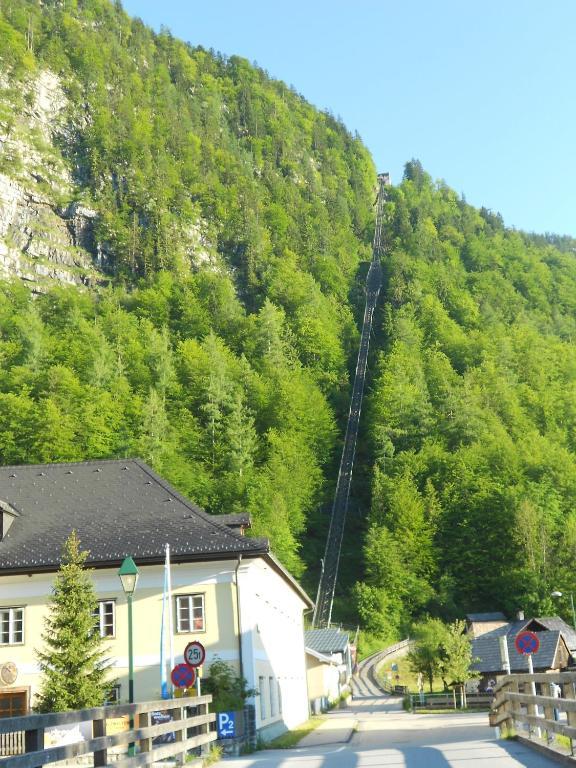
(520, 615)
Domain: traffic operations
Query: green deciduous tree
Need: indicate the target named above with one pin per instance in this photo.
(426, 654)
(456, 661)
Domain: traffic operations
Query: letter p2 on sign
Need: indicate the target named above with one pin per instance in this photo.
(226, 725)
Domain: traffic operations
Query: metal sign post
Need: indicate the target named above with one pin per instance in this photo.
(526, 644)
(504, 654)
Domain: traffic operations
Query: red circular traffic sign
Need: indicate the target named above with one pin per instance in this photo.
(183, 676)
(527, 642)
(194, 654)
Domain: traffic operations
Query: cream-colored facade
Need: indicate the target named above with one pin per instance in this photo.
(263, 640)
(323, 675)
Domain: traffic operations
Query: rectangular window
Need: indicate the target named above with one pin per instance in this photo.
(262, 689)
(279, 698)
(12, 704)
(190, 613)
(113, 695)
(11, 626)
(105, 618)
(272, 688)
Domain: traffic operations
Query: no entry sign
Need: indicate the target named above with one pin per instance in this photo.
(183, 676)
(527, 642)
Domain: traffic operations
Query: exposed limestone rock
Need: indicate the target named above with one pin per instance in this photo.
(42, 241)
(39, 245)
(45, 238)
(48, 104)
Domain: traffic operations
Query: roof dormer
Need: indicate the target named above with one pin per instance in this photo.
(7, 516)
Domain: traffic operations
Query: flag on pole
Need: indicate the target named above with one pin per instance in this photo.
(170, 613)
(165, 693)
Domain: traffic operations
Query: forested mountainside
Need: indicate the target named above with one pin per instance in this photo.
(182, 240)
(472, 417)
(219, 221)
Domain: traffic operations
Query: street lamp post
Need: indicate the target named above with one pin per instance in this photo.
(128, 574)
(556, 593)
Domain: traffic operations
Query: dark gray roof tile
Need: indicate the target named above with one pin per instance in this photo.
(118, 508)
(555, 622)
(494, 616)
(326, 640)
(487, 649)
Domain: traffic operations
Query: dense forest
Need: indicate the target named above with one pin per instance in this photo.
(233, 225)
(232, 219)
(472, 417)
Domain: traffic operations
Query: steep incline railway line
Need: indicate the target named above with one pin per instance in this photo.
(331, 562)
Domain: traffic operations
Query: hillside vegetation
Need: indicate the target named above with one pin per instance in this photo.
(231, 220)
(472, 417)
(228, 225)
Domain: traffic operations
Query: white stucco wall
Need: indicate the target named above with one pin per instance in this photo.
(271, 615)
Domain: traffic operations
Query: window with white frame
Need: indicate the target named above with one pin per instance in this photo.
(105, 618)
(279, 698)
(262, 689)
(11, 626)
(190, 613)
(272, 687)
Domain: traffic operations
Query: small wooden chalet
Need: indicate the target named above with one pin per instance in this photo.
(554, 653)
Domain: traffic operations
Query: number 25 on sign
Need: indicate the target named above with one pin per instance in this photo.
(194, 654)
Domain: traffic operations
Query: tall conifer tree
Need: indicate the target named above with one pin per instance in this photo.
(72, 664)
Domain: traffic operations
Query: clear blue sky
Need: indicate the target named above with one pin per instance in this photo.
(483, 93)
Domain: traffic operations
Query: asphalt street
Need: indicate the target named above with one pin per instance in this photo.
(376, 732)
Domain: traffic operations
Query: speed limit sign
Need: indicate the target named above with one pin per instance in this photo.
(194, 654)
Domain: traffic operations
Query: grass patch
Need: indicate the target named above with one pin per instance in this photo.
(508, 732)
(214, 756)
(291, 738)
(404, 676)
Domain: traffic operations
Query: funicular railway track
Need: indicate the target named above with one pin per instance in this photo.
(331, 562)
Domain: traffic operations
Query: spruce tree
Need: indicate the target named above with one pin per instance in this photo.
(72, 664)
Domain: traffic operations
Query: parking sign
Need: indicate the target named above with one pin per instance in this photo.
(226, 725)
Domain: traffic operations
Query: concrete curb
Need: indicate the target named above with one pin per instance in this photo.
(309, 740)
(553, 754)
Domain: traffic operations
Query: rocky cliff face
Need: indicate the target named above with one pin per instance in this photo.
(44, 237)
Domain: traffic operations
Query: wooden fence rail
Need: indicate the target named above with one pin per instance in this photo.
(23, 737)
(533, 706)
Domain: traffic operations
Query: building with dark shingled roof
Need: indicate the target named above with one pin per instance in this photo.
(229, 591)
(329, 661)
(553, 654)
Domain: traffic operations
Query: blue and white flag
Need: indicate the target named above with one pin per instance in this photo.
(166, 624)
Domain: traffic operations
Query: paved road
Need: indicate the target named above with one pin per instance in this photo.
(386, 736)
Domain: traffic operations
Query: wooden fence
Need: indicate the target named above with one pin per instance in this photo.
(190, 725)
(452, 700)
(527, 704)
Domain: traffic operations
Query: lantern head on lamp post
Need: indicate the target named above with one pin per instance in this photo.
(128, 574)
